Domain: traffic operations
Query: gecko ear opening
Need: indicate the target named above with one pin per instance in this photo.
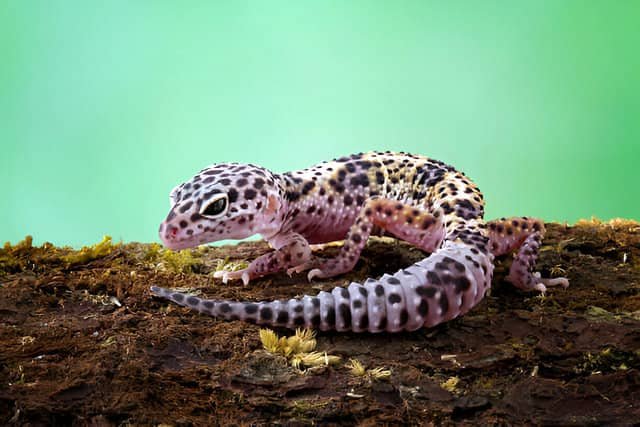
(273, 205)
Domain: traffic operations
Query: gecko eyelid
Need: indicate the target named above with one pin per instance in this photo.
(216, 207)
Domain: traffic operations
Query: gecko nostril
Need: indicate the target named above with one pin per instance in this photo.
(172, 230)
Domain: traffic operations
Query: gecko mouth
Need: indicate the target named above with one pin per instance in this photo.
(174, 239)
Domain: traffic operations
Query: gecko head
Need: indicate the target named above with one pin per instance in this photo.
(223, 201)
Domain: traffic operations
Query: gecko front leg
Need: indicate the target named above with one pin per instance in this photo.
(291, 249)
(524, 235)
(406, 222)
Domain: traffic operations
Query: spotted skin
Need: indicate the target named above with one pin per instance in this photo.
(420, 200)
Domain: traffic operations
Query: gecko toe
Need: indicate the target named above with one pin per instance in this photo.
(540, 287)
(245, 278)
(558, 281)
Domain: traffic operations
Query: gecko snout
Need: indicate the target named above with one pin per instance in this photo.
(168, 233)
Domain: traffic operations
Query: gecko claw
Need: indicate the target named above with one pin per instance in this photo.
(245, 278)
(316, 272)
(301, 267)
(292, 270)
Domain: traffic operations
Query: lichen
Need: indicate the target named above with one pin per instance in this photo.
(298, 349)
(359, 370)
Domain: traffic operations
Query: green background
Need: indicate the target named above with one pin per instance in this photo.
(105, 106)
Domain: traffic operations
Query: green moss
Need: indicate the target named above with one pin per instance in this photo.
(27, 243)
(597, 314)
(227, 265)
(89, 253)
(11, 257)
(175, 261)
(608, 360)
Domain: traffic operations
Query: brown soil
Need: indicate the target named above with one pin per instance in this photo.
(70, 355)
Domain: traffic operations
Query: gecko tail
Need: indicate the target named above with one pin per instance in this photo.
(436, 289)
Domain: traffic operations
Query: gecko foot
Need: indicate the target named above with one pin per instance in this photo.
(535, 282)
(233, 275)
(322, 268)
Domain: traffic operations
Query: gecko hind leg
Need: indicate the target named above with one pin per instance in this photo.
(524, 235)
(409, 223)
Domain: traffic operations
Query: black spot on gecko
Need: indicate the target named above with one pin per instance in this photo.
(444, 303)
(178, 297)
(458, 266)
(307, 187)
(364, 322)
(186, 207)
(382, 324)
(345, 313)
(361, 180)
(315, 321)
(331, 317)
(249, 194)
(283, 317)
(428, 292)
(251, 308)
(292, 196)
(258, 183)
(462, 283)
(394, 298)
(232, 194)
(379, 289)
(404, 316)
(266, 313)
(433, 278)
(423, 308)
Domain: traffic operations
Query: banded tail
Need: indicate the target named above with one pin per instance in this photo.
(434, 290)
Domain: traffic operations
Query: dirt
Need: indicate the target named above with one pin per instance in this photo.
(82, 342)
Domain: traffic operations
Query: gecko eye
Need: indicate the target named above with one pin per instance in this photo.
(216, 207)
